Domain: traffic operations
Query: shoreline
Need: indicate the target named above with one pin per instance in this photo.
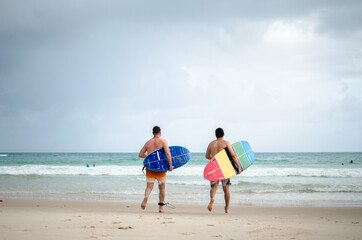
(51, 219)
(219, 201)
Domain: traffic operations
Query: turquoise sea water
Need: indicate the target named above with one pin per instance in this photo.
(317, 179)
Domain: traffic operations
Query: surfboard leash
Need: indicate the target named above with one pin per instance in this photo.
(167, 205)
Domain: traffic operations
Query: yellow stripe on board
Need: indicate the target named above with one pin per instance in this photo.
(225, 164)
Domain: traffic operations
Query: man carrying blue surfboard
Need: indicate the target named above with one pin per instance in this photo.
(214, 147)
(151, 176)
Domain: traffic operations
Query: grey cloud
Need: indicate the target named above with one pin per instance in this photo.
(341, 20)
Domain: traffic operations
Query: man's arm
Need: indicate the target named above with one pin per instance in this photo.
(168, 155)
(208, 152)
(143, 152)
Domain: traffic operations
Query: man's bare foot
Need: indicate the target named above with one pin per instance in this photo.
(160, 209)
(144, 202)
(226, 209)
(210, 205)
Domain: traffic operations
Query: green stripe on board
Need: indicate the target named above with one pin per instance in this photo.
(240, 153)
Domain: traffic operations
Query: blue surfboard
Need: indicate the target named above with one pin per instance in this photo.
(157, 161)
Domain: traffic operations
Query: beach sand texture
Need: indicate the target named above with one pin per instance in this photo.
(35, 219)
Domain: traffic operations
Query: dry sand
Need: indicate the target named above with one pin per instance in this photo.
(33, 219)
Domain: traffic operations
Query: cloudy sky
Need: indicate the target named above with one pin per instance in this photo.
(96, 76)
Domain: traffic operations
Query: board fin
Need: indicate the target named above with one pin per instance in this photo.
(233, 163)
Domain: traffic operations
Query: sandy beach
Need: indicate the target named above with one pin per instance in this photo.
(35, 219)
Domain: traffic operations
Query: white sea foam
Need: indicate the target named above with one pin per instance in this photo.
(303, 172)
(3, 155)
(111, 170)
(188, 183)
(71, 192)
(116, 170)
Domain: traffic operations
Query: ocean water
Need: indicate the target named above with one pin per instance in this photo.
(303, 179)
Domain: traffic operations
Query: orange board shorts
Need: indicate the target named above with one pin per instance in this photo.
(152, 176)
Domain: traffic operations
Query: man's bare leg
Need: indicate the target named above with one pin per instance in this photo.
(147, 194)
(212, 196)
(227, 197)
(161, 187)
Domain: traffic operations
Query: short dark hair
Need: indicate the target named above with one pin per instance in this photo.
(219, 132)
(156, 130)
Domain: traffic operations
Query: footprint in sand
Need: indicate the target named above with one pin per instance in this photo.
(107, 235)
(325, 218)
(125, 228)
(188, 233)
(5, 227)
(167, 222)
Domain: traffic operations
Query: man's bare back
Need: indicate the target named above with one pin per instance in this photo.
(154, 144)
(216, 146)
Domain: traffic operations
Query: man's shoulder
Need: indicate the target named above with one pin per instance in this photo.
(149, 141)
(158, 142)
(214, 141)
(224, 143)
(227, 142)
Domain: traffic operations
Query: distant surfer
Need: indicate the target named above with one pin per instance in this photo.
(151, 176)
(214, 147)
